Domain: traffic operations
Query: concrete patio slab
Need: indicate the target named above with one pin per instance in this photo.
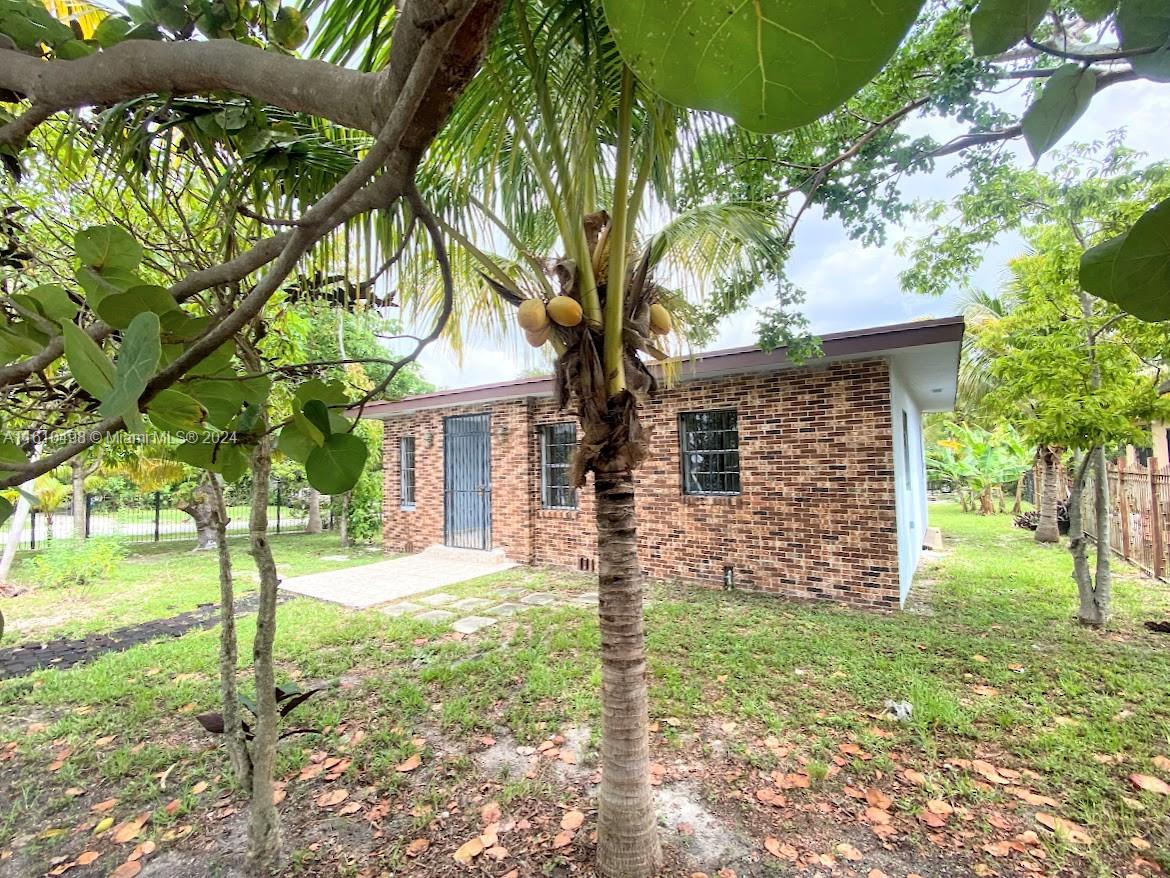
(386, 581)
(471, 624)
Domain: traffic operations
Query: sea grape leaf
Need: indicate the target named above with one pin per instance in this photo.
(90, 367)
(1133, 271)
(772, 65)
(102, 247)
(1065, 97)
(137, 360)
(1144, 24)
(335, 467)
(998, 25)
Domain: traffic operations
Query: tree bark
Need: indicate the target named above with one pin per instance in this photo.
(77, 502)
(15, 528)
(233, 731)
(628, 844)
(1018, 506)
(986, 502)
(1048, 528)
(201, 507)
(264, 827)
(1096, 605)
(343, 522)
(313, 526)
(1078, 544)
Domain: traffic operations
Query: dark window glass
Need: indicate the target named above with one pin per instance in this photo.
(710, 452)
(406, 462)
(557, 443)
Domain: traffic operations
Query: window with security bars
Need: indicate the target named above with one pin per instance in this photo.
(557, 443)
(710, 452)
(406, 461)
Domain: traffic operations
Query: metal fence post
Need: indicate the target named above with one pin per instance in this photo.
(157, 513)
(278, 505)
(32, 532)
(88, 513)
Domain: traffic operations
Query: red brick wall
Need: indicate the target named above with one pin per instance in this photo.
(816, 515)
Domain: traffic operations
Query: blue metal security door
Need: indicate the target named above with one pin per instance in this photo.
(467, 470)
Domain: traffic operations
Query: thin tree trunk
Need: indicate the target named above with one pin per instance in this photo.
(1048, 528)
(1096, 605)
(343, 525)
(264, 829)
(313, 526)
(15, 528)
(1018, 506)
(77, 502)
(201, 507)
(986, 502)
(233, 730)
(1078, 543)
(628, 844)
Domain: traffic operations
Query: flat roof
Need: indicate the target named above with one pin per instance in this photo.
(851, 344)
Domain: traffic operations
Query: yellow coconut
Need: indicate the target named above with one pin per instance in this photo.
(538, 338)
(660, 322)
(533, 316)
(565, 311)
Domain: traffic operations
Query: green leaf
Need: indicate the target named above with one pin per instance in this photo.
(103, 247)
(294, 444)
(318, 415)
(772, 65)
(180, 325)
(175, 412)
(1094, 11)
(1144, 24)
(53, 302)
(72, 50)
(1065, 98)
(329, 392)
(11, 455)
(222, 399)
(121, 308)
(1133, 271)
(6, 509)
(112, 29)
(336, 466)
(98, 285)
(256, 389)
(998, 25)
(90, 368)
(288, 29)
(216, 362)
(137, 360)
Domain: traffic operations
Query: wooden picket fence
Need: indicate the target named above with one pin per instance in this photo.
(1139, 515)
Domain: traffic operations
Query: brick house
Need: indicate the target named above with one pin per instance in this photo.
(806, 481)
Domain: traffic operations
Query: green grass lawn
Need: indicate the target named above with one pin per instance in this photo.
(156, 580)
(743, 688)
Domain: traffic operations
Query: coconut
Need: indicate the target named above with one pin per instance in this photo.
(565, 311)
(533, 316)
(538, 338)
(660, 322)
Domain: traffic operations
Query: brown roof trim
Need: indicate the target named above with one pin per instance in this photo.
(851, 343)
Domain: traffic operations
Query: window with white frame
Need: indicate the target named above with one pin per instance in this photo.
(709, 448)
(406, 470)
(557, 443)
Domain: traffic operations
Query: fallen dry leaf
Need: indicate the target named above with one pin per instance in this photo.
(572, 820)
(781, 851)
(410, 764)
(332, 797)
(915, 777)
(877, 873)
(468, 851)
(144, 849)
(490, 813)
(1162, 763)
(128, 830)
(877, 816)
(1150, 784)
(563, 839)
(102, 807)
(87, 857)
(998, 848)
(1073, 832)
(1139, 843)
(847, 851)
(878, 799)
(1026, 795)
(127, 870)
(199, 788)
(417, 846)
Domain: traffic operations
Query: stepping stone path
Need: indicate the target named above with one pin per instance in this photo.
(538, 599)
(444, 607)
(438, 599)
(471, 624)
(435, 616)
(467, 605)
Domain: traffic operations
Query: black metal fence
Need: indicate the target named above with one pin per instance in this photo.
(156, 518)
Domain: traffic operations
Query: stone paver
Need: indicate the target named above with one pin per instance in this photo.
(403, 609)
(435, 616)
(507, 609)
(471, 624)
(437, 599)
(588, 598)
(538, 599)
(386, 581)
(468, 605)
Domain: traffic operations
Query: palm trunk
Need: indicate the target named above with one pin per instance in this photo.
(233, 731)
(77, 502)
(1048, 529)
(313, 525)
(628, 844)
(1018, 506)
(264, 829)
(986, 502)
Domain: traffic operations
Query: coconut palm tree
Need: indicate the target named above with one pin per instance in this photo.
(557, 182)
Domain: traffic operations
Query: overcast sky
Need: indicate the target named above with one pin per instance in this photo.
(851, 286)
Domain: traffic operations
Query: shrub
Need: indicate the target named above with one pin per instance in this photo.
(76, 563)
